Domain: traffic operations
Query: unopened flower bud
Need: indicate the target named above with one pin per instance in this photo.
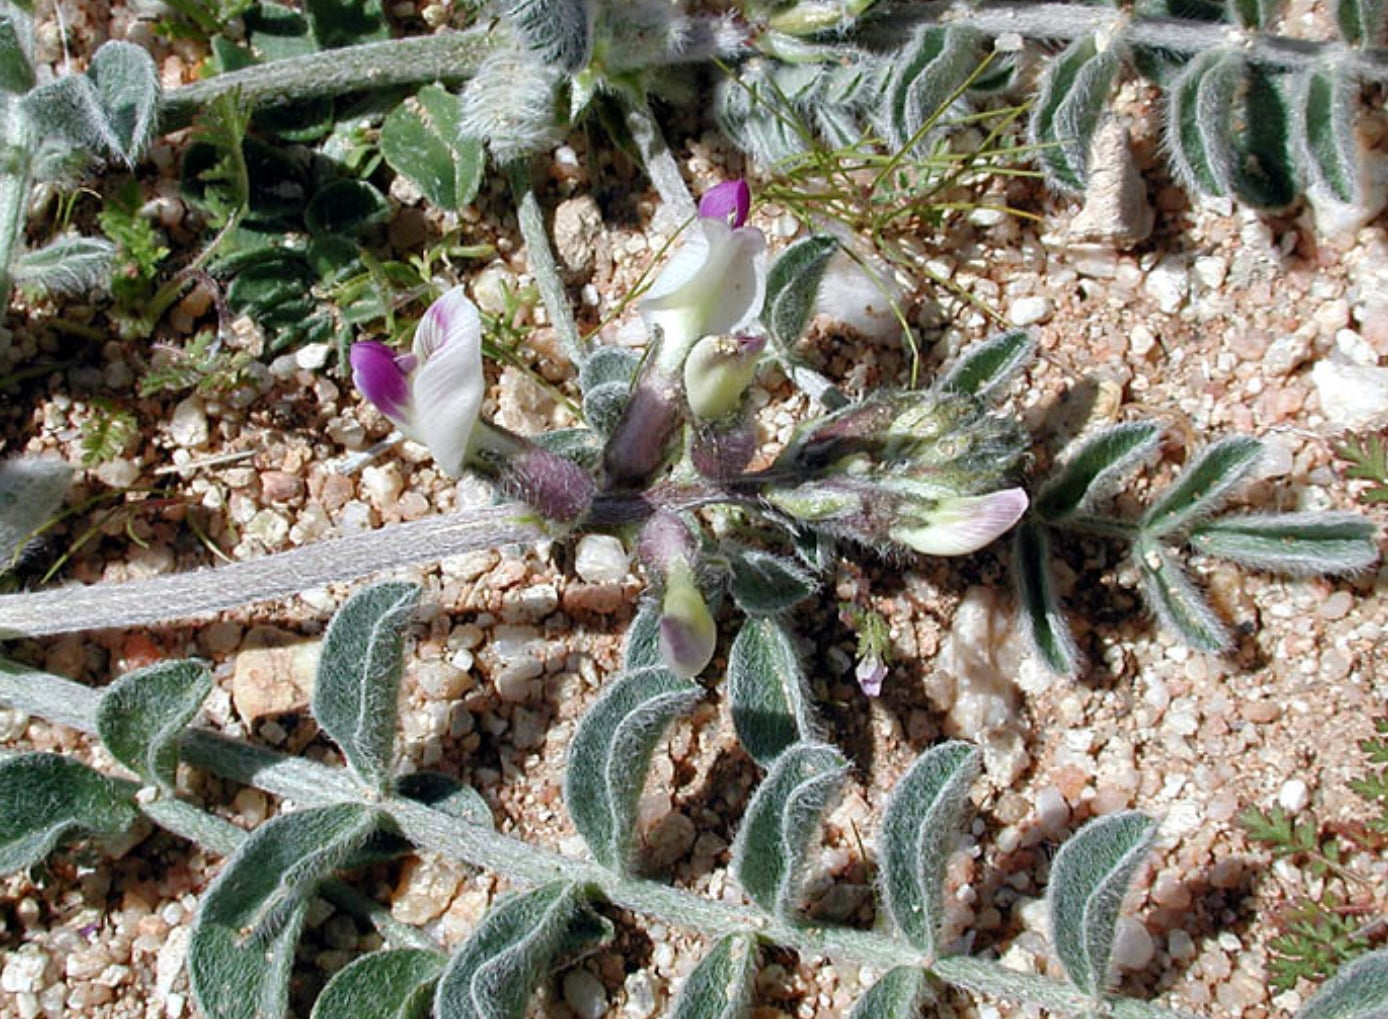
(960, 525)
(722, 450)
(717, 373)
(665, 539)
(687, 631)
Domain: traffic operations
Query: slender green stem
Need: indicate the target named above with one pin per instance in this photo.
(416, 60)
(541, 257)
(312, 784)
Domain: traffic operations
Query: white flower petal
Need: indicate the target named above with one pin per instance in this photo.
(966, 524)
(449, 385)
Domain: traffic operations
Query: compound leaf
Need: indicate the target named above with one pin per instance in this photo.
(1073, 97)
(391, 984)
(610, 753)
(898, 994)
(422, 141)
(1089, 473)
(496, 970)
(127, 83)
(44, 798)
(1358, 990)
(1050, 633)
(721, 985)
(792, 284)
(764, 584)
(357, 690)
(919, 828)
(986, 367)
(1301, 544)
(31, 490)
(1177, 602)
(242, 948)
(766, 686)
(1089, 877)
(772, 846)
(142, 715)
(1202, 486)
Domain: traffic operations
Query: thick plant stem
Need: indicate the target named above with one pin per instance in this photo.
(416, 60)
(541, 257)
(312, 784)
(162, 599)
(16, 179)
(660, 164)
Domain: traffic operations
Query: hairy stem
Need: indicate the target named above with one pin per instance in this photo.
(540, 255)
(16, 179)
(660, 165)
(311, 784)
(416, 60)
(161, 599)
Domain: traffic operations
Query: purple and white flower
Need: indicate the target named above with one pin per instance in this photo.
(434, 393)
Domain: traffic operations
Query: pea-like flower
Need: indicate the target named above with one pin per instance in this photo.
(434, 393)
(714, 284)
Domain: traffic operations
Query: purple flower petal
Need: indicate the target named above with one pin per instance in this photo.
(729, 201)
(377, 372)
(870, 673)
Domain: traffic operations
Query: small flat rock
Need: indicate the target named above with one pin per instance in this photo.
(577, 227)
(1029, 311)
(426, 887)
(1352, 395)
(274, 673)
(188, 425)
(1116, 209)
(585, 994)
(1169, 284)
(601, 559)
(1132, 945)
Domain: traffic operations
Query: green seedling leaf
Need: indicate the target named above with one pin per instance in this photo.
(69, 265)
(765, 584)
(392, 984)
(345, 207)
(142, 715)
(1327, 144)
(357, 691)
(767, 689)
(16, 49)
(721, 985)
(899, 993)
(792, 285)
(1073, 99)
(610, 753)
(922, 822)
(45, 798)
(1358, 991)
(31, 490)
(773, 844)
(446, 795)
(1177, 602)
(494, 973)
(606, 379)
(127, 83)
(1089, 877)
(988, 366)
(926, 76)
(1202, 486)
(337, 23)
(1362, 23)
(242, 948)
(1302, 544)
(422, 141)
(1050, 633)
(1090, 473)
(557, 31)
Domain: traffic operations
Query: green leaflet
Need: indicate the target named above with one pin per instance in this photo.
(346, 22)
(1072, 100)
(422, 141)
(770, 701)
(68, 265)
(1095, 466)
(142, 715)
(899, 993)
(345, 207)
(1297, 543)
(1255, 14)
(16, 49)
(1327, 145)
(109, 110)
(773, 844)
(446, 795)
(1177, 602)
(922, 820)
(356, 693)
(986, 367)
(791, 286)
(610, 753)
(1046, 625)
(642, 650)
(496, 970)
(606, 378)
(764, 584)
(31, 490)
(1362, 23)
(392, 984)
(1089, 877)
(1359, 990)
(721, 985)
(45, 798)
(926, 77)
(242, 949)
(1202, 486)
(557, 31)
(1197, 134)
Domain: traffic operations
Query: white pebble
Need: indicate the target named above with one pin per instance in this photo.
(1132, 945)
(1052, 812)
(1028, 311)
(312, 356)
(25, 971)
(188, 426)
(1293, 796)
(1168, 284)
(1352, 395)
(585, 994)
(601, 559)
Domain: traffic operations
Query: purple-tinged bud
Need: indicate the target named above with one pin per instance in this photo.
(729, 201)
(639, 445)
(870, 672)
(665, 539)
(717, 373)
(688, 634)
(723, 450)
(382, 378)
(559, 488)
